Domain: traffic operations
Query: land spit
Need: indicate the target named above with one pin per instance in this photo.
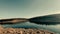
(13, 20)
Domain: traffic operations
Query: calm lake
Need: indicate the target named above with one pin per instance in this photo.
(53, 28)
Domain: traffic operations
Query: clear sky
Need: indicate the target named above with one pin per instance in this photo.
(28, 8)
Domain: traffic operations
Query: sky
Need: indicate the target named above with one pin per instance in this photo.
(28, 8)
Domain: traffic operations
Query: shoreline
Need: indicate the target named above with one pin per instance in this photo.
(23, 31)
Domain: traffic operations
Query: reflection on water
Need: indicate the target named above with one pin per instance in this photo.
(54, 28)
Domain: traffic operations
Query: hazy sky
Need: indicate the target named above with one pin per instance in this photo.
(28, 8)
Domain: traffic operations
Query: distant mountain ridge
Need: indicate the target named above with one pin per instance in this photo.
(48, 19)
(12, 20)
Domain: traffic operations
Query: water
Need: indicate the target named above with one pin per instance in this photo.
(53, 28)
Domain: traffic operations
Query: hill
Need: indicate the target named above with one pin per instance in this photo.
(48, 19)
(12, 20)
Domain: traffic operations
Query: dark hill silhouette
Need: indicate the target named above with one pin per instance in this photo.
(12, 20)
(48, 19)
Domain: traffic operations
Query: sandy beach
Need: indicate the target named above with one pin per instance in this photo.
(23, 31)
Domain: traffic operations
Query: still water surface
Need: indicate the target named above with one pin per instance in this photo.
(53, 28)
